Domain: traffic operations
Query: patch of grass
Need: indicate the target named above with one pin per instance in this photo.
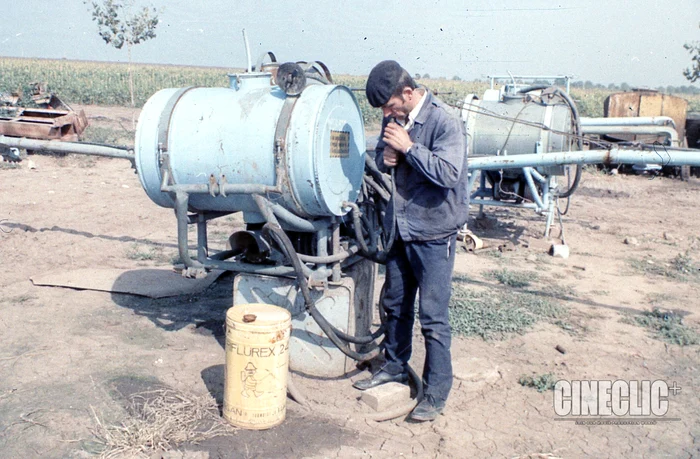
(19, 299)
(666, 326)
(655, 298)
(495, 315)
(510, 278)
(138, 252)
(8, 165)
(553, 290)
(219, 235)
(161, 420)
(683, 264)
(106, 135)
(175, 259)
(542, 383)
(141, 252)
(22, 298)
(565, 325)
(681, 267)
(594, 169)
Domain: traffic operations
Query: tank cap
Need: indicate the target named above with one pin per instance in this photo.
(248, 318)
(291, 78)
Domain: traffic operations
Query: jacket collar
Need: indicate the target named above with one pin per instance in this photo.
(427, 107)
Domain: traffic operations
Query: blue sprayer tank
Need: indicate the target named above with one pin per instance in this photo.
(231, 132)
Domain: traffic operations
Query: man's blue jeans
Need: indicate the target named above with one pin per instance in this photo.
(426, 267)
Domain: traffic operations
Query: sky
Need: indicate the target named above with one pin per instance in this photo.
(605, 41)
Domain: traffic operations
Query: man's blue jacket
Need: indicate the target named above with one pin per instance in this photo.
(431, 197)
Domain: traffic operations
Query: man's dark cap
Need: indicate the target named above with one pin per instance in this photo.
(382, 82)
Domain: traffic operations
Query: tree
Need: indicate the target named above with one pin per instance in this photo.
(692, 73)
(118, 25)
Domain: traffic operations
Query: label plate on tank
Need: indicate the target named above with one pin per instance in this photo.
(340, 144)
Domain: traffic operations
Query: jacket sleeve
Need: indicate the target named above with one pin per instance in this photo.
(444, 163)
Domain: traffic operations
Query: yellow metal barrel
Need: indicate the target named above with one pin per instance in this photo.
(257, 362)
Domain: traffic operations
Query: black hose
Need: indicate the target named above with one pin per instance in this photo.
(392, 235)
(371, 166)
(579, 142)
(384, 194)
(336, 336)
(537, 87)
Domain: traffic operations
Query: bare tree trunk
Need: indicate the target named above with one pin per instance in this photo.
(131, 76)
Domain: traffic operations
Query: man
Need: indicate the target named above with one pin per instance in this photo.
(428, 153)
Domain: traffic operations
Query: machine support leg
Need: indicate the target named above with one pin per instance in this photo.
(202, 241)
(551, 205)
(181, 200)
(482, 186)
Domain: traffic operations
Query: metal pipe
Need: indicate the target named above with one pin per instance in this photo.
(659, 155)
(247, 52)
(494, 203)
(336, 250)
(201, 188)
(530, 77)
(667, 131)
(181, 201)
(295, 222)
(202, 239)
(630, 121)
(249, 188)
(335, 258)
(537, 176)
(531, 185)
(322, 238)
(67, 147)
(241, 267)
(194, 218)
(265, 208)
(357, 225)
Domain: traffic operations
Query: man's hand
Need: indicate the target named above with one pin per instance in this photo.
(391, 157)
(396, 137)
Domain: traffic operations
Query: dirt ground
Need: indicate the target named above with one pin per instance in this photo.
(68, 357)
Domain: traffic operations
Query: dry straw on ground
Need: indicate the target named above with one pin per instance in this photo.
(161, 420)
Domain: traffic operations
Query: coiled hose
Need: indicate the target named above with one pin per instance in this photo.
(337, 337)
(576, 120)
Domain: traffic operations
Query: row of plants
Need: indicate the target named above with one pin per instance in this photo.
(104, 83)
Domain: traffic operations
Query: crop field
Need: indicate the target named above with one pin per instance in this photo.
(101, 83)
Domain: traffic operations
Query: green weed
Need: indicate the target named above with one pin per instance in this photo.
(542, 383)
(495, 314)
(9, 165)
(666, 326)
(141, 253)
(515, 279)
(681, 267)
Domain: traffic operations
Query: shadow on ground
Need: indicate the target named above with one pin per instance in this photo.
(206, 310)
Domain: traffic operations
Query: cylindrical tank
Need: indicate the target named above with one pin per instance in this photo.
(257, 362)
(489, 134)
(231, 132)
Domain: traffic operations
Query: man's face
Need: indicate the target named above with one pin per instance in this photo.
(396, 107)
